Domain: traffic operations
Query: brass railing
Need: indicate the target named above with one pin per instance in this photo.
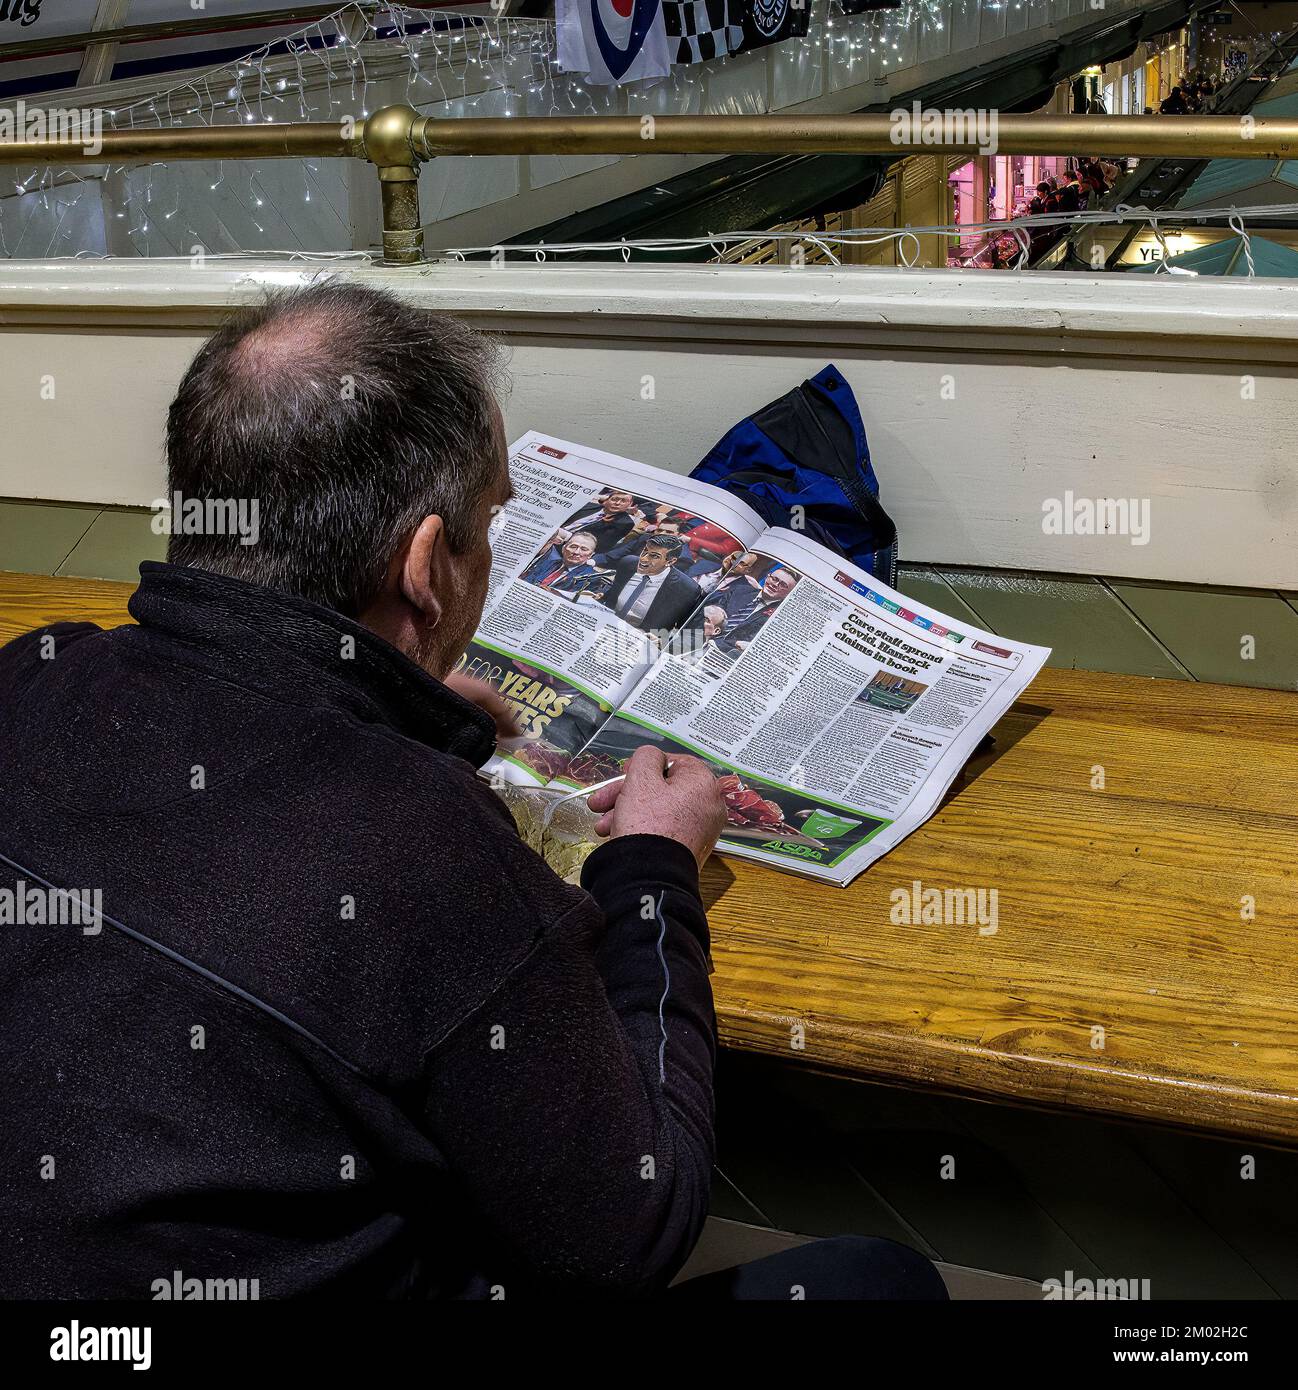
(397, 140)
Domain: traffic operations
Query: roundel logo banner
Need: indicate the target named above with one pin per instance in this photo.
(620, 28)
(769, 15)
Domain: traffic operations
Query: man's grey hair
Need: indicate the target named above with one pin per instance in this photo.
(347, 415)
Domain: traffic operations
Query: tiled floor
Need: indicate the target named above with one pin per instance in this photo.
(1004, 1190)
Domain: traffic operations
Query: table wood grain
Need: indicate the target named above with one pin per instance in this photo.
(33, 600)
(1125, 976)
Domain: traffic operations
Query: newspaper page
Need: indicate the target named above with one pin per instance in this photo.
(598, 562)
(834, 711)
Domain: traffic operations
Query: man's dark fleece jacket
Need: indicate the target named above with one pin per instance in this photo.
(348, 1034)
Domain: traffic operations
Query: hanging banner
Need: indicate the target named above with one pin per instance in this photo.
(698, 30)
(768, 21)
(612, 41)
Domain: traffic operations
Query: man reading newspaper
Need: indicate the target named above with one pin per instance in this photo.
(336, 1028)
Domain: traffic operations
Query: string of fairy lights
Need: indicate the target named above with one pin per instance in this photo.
(1160, 222)
(367, 54)
(907, 239)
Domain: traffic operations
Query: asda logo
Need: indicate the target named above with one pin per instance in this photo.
(797, 851)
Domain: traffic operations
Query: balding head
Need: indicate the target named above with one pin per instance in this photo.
(349, 416)
(296, 347)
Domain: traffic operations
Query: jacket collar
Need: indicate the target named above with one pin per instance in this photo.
(298, 651)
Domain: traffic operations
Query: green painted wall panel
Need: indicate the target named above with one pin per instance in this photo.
(1209, 630)
(925, 585)
(114, 546)
(1078, 617)
(36, 537)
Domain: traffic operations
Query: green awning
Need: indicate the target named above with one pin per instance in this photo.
(1242, 183)
(1226, 257)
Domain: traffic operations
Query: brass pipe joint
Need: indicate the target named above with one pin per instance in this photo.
(390, 146)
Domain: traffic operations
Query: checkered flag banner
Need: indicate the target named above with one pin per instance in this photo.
(698, 30)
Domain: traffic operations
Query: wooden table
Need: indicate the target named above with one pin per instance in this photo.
(1123, 978)
(33, 600)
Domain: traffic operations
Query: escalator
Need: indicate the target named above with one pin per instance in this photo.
(750, 192)
(1159, 183)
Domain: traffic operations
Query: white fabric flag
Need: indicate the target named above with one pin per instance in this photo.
(610, 41)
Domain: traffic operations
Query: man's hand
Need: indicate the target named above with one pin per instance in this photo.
(682, 802)
(488, 698)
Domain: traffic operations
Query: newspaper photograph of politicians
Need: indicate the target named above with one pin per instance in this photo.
(648, 562)
(742, 597)
(597, 561)
(706, 600)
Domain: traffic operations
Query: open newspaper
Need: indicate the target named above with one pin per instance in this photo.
(629, 605)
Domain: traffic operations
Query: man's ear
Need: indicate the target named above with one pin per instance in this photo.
(425, 577)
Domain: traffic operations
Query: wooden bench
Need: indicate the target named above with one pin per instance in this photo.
(1145, 959)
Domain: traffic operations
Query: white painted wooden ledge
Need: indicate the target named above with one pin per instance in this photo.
(984, 395)
(772, 297)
